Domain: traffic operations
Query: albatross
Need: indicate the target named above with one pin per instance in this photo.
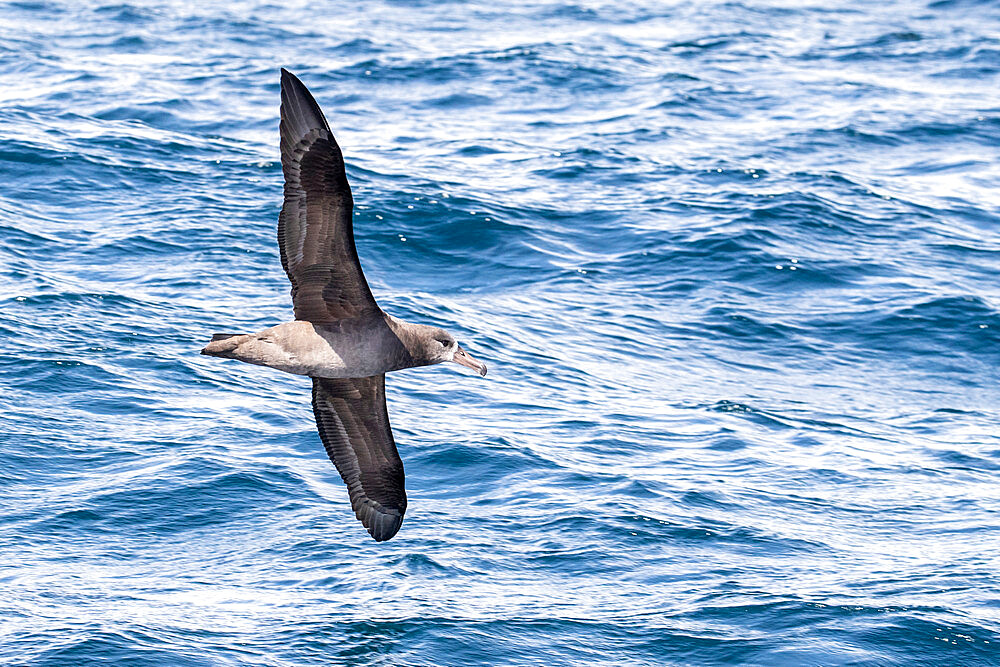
(340, 337)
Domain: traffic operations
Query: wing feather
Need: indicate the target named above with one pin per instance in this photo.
(354, 425)
(315, 226)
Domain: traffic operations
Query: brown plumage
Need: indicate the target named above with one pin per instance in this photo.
(340, 336)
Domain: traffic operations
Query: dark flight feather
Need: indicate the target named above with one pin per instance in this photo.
(354, 426)
(315, 227)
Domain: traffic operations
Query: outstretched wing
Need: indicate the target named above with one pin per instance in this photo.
(315, 231)
(354, 426)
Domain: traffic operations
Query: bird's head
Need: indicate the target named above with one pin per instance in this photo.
(431, 345)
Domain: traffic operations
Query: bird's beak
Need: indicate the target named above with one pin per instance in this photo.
(462, 357)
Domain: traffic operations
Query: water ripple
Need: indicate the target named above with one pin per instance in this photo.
(732, 266)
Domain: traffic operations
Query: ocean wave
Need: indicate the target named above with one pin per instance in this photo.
(732, 268)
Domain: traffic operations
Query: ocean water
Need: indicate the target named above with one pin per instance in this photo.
(733, 267)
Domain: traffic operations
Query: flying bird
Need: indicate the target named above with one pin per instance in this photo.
(340, 337)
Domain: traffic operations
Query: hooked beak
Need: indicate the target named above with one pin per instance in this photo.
(462, 357)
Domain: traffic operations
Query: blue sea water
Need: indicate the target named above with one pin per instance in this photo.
(733, 266)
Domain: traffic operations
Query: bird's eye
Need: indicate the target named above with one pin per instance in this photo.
(443, 342)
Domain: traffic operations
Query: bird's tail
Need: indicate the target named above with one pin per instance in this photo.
(223, 345)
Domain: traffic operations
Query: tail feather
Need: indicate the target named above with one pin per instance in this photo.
(223, 345)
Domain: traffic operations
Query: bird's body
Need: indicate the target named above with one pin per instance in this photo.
(349, 348)
(340, 337)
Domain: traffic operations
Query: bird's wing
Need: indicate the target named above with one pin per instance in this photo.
(354, 426)
(315, 231)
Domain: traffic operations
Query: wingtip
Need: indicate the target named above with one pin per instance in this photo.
(292, 85)
(383, 537)
(299, 108)
(382, 526)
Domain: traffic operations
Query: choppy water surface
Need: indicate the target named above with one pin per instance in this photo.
(734, 268)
